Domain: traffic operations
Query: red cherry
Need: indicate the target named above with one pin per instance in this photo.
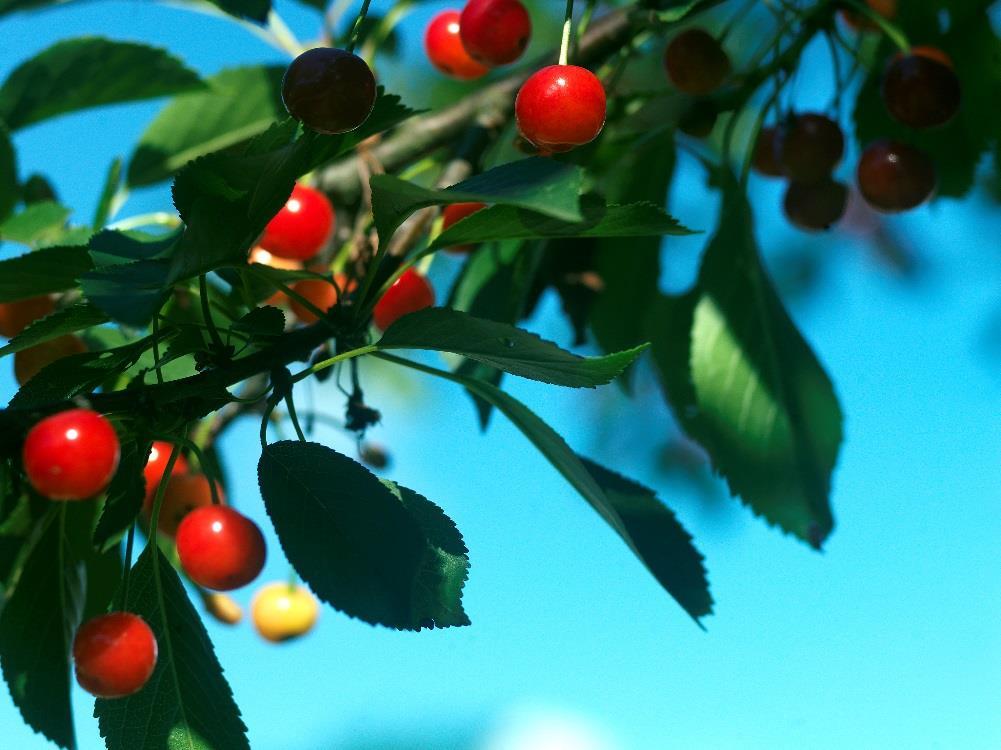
(71, 455)
(299, 230)
(561, 106)
(320, 292)
(495, 32)
(815, 206)
(893, 176)
(696, 63)
(156, 465)
(220, 548)
(445, 51)
(809, 147)
(16, 316)
(457, 212)
(115, 654)
(921, 90)
(329, 90)
(409, 293)
(183, 493)
(764, 159)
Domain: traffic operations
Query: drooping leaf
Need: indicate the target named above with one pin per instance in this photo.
(89, 72)
(51, 269)
(389, 559)
(541, 185)
(503, 346)
(187, 702)
(124, 497)
(9, 185)
(71, 319)
(37, 223)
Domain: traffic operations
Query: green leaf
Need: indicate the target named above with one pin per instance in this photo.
(747, 387)
(648, 528)
(541, 185)
(10, 186)
(129, 293)
(599, 220)
(187, 702)
(37, 625)
(124, 497)
(503, 346)
(70, 319)
(108, 193)
(237, 104)
(255, 10)
(35, 224)
(261, 323)
(51, 269)
(89, 72)
(389, 558)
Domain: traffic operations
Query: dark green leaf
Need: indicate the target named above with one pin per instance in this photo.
(38, 223)
(70, 319)
(124, 497)
(9, 185)
(541, 185)
(503, 346)
(111, 182)
(187, 702)
(36, 631)
(52, 269)
(356, 544)
(89, 72)
(129, 293)
(104, 575)
(261, 323)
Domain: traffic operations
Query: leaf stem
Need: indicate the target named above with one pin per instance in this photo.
(356, 29)
(343, 356)
(567, 29)
(156, 218)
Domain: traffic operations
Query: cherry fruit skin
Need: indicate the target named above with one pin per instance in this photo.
(764, 159)
(115, 654)
(29, 362)
(282, 612)
(815, 206)
(560, 107)
(329, 90)
(696, 63)
(444, 49)
(454, 212)
(220, 548)
(183, 494)
(893, 176)
(921, 90)
(71, 455)
(299, 230)
(495, 32)
(320, 292)
(16, 316)
(409, 293)
(809, 146)
(156, 465)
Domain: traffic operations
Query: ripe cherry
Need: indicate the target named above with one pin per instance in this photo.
(764, 159)
(815, 206)
(16, 316)
(115, 654)
(893, 176)
(183, 494)
(858, 21)
(220, 548)
(71, 455)
(320, 292)
(329, 90)
(156, 465)
(409, 293)
(495, 32)
(696, 63)
(457, 212)
(809, 147)
(299, 230)
(29, 362)
(921, 90)
(445, 51)
(560, 106)
(283, 611)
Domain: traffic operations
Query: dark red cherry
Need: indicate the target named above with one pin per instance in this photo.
(220, 548)
(115, 654)
(815, 206)
(16, 316)
(302, 226)
(409, 293)
(495, 32)
(560, 106)
(921, 90)
(445, 51)
(809, 147)
(71, 455)
(457, 212)
(329, 90)
(764, 159)
(696, 63)
(893, 176)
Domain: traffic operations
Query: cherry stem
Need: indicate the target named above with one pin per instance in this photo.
(202, 463)
(161, 489)
(156, 349)
(129, 542)
(567, 28)
(203, 293)
(320, 314)
(290, 405)
(351, 354)
(356, 29)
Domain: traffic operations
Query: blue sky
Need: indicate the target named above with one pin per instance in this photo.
(889, 639)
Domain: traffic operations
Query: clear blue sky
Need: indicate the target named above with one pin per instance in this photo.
(890, 639)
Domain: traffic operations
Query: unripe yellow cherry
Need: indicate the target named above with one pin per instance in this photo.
(283, 611)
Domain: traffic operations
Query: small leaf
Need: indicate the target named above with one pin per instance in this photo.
(10, 187)
(389, 559)
(51, 269)
(503, 346)
(70, 319)
(89, 72)
(35, 224)
(124, 496)
(187, 702)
